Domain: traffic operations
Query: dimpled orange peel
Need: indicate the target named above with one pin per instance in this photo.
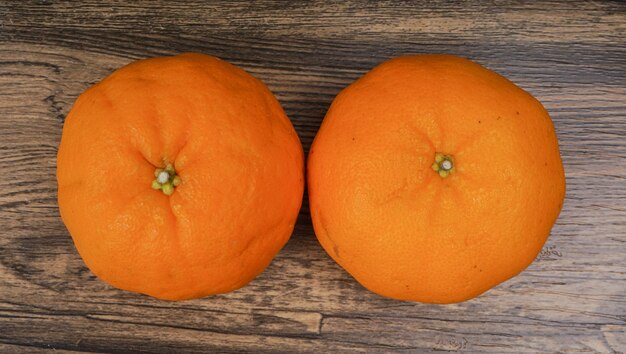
(434, 179)
(179, 177)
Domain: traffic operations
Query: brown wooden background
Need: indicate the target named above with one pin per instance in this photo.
(570, 54)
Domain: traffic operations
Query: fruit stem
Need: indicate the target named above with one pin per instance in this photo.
(443, 165)
(166, 179)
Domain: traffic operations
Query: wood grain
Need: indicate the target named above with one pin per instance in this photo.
(570, 55)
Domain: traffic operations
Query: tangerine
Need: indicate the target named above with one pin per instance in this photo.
(179, 177)
(434, 179)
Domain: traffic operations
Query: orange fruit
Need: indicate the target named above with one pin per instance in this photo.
(179, 177)
(433, 179)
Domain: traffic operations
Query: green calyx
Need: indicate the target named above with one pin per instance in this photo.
(443, 165)
(166, 179)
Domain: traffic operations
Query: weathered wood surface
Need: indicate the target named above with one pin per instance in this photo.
(570, 55)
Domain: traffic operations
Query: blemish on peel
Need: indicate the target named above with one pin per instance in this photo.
(336, 250)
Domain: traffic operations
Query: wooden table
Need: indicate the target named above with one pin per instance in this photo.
(570, 55)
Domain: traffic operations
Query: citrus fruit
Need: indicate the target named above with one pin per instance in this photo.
(433, 179)
(179, 177)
